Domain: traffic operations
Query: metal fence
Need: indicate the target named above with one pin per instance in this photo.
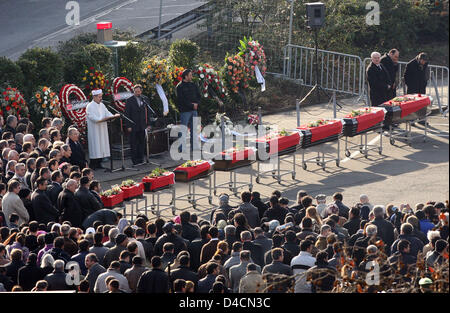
(338, 72)
(437, 86)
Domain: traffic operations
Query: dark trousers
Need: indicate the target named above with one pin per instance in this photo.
(95, 163)
(137, 144)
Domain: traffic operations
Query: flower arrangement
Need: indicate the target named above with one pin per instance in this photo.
(128, 183)
(282, 133)
(253, 119)
(157, 172)
(12, 102)
(154, 71)
(235, 73)
(117, 83)
(115, 190)
(358, 112)
(318, 123)
(192, 163)
(175, 75)
(94, 79)
(208, 79)
(47, 102)
(253, 54)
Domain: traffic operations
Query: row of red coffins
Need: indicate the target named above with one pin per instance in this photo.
(370, 118)
(400, 112)
(320, 134)
(280, 144)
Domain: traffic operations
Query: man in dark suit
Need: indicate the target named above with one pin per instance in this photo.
(184, 272)
(87, 201)
(136, 110)
(256, 251)
(69, 206)
(210, 248)
(154, 280)
(416, 74)
(55, 187)
(94, 188)
(390, 62)
(77, 157)
(43, 209)
(379, 80)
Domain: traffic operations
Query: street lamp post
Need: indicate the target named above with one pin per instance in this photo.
(290, 38)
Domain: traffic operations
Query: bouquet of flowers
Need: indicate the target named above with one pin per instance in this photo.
(208, 79)
(282, 133)
(235, 73)
(115, 190)
(128, 183)
(253, 54)
(94, 79)
(157, 172)
(253, 119)
(47, 102)
(318, 123)
(155, 71)
(175, 75)
(192, 163)
(356, 113)
(12, 102)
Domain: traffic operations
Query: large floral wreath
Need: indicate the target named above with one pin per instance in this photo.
(46, 102)
(209, 80)
(254, 56)
(155, 71)
(117, 83)
(12, 102)
(235, 73)
(94, 79)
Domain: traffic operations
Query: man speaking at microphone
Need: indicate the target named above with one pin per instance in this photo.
(98, 141)
(137, 111)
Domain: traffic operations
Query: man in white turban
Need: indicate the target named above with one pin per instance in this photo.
(98, 141)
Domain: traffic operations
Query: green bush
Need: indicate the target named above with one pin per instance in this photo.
(10, 73)
(183, 53)
(130, 59)
(102, 57)
(41, 67)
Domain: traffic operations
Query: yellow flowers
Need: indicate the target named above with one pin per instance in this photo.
(155, 71)
(48, 102)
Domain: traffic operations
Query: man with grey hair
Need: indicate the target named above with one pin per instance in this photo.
(364, 206)
(113, 270)
(68, 206)
(77, 156)
(321, 242)
(360, 247)
(18, 138)
(13, 155)
(385, 228)
(20, 171)
(406, 233)
(10, 169)
(57, 279)
(29, 138)
(378, 80)
(230, 234)
(112, 234)
(238, 271)
(321, 205)
(57, 123)
(255, 249)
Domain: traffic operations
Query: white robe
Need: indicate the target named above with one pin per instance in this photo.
(98, 140)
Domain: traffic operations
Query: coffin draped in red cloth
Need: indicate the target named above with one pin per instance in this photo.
(281, 143)
(113, 200)
(415, 105)
(237, 156)
(194, 170)
(412, 106)
(369, 119)
(132, 191)
(334, 127)
(168, 178)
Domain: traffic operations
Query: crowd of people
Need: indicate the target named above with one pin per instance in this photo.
(63, 240)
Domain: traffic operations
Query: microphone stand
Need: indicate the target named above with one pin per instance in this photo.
(144, 100)
(123, 168)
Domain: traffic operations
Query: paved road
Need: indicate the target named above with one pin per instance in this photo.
(402, 174)
(29, 23)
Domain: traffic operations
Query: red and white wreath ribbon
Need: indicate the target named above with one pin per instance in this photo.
(77, 116)
(116, 84)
